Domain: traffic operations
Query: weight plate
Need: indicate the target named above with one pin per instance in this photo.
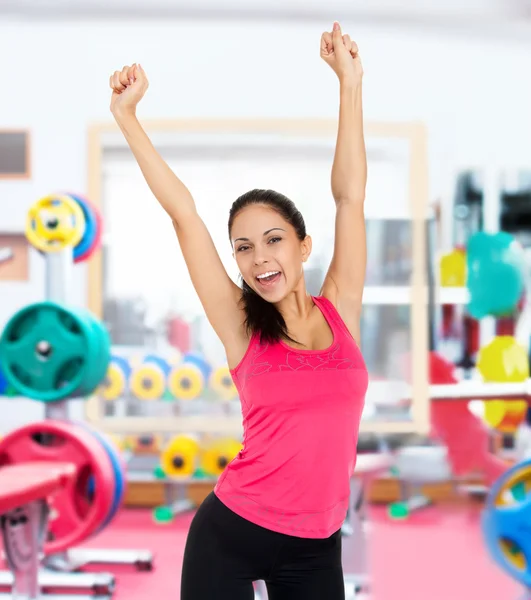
(199, 361)
(222, 384)
(90, 225)
(148, 382)
(162, 363)
(54, 223)
(76, 514)
(505, 522)
(119, 469)
(97, 238)
(186, 382)
(45, 351)
(216, 457)
(179, 457)
(146, 443)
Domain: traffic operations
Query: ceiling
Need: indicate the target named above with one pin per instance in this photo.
(489, 16)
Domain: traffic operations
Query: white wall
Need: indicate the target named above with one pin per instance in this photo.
(474, 95)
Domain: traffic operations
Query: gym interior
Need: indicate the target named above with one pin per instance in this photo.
(112, 377)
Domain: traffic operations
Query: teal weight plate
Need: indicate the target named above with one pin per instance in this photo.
(45, 351)
(105, 351)
(93, 347)
(100, 350)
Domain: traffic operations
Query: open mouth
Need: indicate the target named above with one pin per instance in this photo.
(268, 279)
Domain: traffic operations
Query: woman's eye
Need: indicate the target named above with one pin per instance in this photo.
(274, 240)
(242, 248)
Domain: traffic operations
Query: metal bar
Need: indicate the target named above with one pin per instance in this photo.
(474, 390)
(59, 269)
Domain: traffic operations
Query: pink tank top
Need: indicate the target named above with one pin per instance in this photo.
(301, 415)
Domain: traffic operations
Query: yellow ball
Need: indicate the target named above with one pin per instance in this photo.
(216, 456)
(453, 269)
(179, 456)
(503, 360)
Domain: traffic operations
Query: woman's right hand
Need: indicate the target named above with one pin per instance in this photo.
(128, 87)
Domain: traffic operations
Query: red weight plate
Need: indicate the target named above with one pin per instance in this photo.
(97, 238)
(74, 515)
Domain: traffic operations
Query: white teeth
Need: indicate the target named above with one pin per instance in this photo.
(268, 274)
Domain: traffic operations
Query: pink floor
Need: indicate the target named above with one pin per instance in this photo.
(436, 555)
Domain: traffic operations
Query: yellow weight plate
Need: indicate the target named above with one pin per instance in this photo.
(179, 456)
(114, 384)
(217, 455)
(54, 223)
(453, 269)
(148, 382)
(503, 360)
(186, 382)
(221, 382)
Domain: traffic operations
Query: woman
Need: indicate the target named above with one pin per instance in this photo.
(277, 510)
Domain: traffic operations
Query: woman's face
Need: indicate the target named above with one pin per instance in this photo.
(268, 252)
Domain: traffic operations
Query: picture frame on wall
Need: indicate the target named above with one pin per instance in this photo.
(395, 299)
(15, 154)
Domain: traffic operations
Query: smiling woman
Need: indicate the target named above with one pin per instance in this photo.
(285, 496)
(270, 243)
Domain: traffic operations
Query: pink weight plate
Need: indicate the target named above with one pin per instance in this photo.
(75, 514)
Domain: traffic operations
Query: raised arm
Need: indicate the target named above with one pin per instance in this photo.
(344, 281)
(218, 294)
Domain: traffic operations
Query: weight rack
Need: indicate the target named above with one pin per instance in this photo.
(59, 577)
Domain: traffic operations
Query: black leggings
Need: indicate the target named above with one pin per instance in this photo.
(224, 554)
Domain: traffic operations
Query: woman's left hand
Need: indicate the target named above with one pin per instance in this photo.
(341, 53)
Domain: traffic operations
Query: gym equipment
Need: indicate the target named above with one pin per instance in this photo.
(504, 359)
(186, 381)
(415, 467)
(3, 383)
(194, 358)
(495, 269)
(77, 515)
(453, 268)
(506, 522)
(54, 223)
(218, 454)
(222, 384)
(148, 381)
(119, 468)
(50, 353)
(91, 239)
(504, 416)
(179, 457)
(24, 519)
(95, 496)
(116, 379)
(146, 443)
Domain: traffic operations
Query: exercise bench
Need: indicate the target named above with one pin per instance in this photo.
(24, 510)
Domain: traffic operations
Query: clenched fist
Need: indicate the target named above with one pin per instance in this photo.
(128, 87)
(341, 53)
